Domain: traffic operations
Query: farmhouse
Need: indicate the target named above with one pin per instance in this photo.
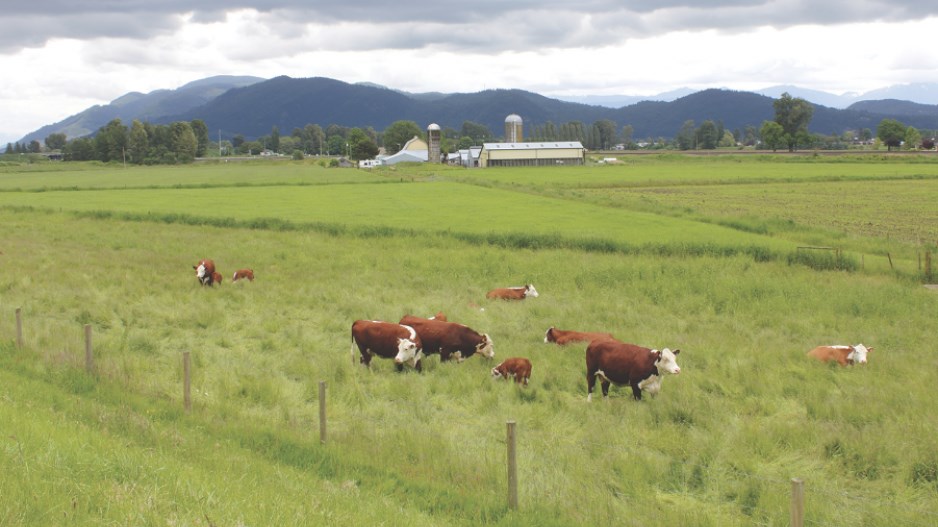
(532, 154)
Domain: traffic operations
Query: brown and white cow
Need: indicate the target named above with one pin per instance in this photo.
(216, 278)
(242, 274)
(564, 337)
(387, 340)
(612, 361)
(844, 355)
(450, 339)
(517, 367)
(512, 293)
(204, 271)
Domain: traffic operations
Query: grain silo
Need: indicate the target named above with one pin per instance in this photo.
(513, 126)
(434, 136)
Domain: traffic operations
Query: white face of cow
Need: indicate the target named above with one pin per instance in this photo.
(486, 348)
(858, 355)
(407, 352)
(530, 291)
(200, 271)
(667, 362)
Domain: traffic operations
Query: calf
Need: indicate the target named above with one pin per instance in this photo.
(844, 355)
(216, 278)
(512, 293)
(563, 337)
(241, 274)
(387, 340)
(205, 271)
(617, 362)
(450, 339)
(517, 367)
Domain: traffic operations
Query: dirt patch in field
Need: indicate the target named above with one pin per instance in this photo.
(933, 287)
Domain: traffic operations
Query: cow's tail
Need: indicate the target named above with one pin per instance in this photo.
(353, 349)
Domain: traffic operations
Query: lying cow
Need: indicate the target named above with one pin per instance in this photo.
(512, 293)
(563, 337)
(517, 367)
(387, 340)
(616, 362)
(205, 271)
(450, 339)
(243, 274)
(844, 355)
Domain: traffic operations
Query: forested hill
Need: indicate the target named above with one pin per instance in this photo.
(289, 103)
(252, 107)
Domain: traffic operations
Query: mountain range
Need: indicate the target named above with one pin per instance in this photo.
(252, 106)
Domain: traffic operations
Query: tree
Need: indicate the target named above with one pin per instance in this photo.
(111, 141)
(274, 142)
(913, 138)
(361, 146)
(398, 133)
(56, 141)
(686, 137)
(478, 132)
(200, 129)
(34, 147)
(138, 144)
(773, 136)
(315, 139)
(9, 149)
(891, 132)
(606, 137)
(793, 115)
(184, 142)
(707, 135)
(626, 135)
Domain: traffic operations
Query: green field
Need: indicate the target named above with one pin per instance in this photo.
(690, 259)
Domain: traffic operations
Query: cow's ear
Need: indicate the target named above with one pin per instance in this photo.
(676, 352)
(869, 350)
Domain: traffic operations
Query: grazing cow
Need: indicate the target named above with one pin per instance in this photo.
(512, 293)
(387, 340)
(844, 355)
(616, 362)
(450, 339)
(205, 271)
(563, 337)
(216, 278)
(517, 367)
(242, 274)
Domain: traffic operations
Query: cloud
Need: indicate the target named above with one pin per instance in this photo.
(482, 25)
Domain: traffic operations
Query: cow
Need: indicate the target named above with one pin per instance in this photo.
(241, 274)
(844, 355)
(387, 340)
(216, 278)
(563, 337)
(439, 316)
(204, 271)
(517, 367)
(450, 339)
(512, 293)
(617, 362)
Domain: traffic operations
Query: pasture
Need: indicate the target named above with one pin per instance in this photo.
(114, 249)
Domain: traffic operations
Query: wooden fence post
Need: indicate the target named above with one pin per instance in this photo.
(928, 275)
(186, 382)
(889, 256)
(322, 412)
(19, 328)
(89, 357)
(797, 502)
(512, 468)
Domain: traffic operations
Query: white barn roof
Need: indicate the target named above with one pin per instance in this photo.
(546, 145)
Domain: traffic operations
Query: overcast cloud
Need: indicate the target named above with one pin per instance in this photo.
(61, 56)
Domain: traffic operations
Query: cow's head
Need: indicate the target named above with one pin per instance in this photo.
(858, 355)
(530, 291)
(667, 361)
(407, 352)
(497, 373)
(199, 270)
(549, 335)
(486, 348)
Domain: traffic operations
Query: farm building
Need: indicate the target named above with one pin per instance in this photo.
(532, 154)
(414, 151)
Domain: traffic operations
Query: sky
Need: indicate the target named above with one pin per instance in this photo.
(60, 57)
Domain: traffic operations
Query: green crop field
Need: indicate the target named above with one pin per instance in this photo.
(695, 258)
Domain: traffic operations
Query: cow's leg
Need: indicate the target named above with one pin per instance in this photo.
(636, 391)
(366, 358)
(590, 384)
(399, 367)
(418, 365)
(604, 383)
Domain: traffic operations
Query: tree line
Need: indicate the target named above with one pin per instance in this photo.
(184, 141)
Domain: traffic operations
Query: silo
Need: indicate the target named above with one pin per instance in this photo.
(513, 126)
(434, 136)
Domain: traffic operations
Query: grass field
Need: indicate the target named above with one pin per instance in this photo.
(717, 447)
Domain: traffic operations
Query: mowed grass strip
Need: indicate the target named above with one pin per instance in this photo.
(429, 207)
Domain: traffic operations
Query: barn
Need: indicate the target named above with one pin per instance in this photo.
(547, 153)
